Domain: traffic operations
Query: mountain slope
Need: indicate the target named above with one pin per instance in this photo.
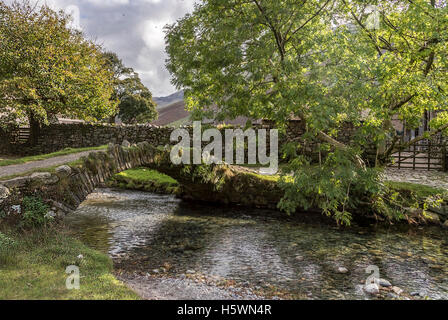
(172, 98)
(171, 113)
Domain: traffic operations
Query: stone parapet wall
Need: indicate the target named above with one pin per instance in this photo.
(66, 187)
(9, 141)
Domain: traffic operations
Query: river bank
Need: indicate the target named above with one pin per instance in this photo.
(33, 266)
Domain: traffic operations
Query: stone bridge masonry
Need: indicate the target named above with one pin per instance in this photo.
(65, 187)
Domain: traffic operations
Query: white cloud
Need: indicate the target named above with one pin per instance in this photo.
(133, 29)
(153, 34)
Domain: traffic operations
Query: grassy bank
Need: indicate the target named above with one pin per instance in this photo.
(419, 190)
(145, 179)
(64, 152)
(33, 264)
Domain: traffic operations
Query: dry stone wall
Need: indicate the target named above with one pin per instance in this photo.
(77, 135)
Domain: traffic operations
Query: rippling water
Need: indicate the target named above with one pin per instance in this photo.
(287, 257)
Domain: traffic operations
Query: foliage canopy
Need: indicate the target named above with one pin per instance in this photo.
(135, 100)
(48, 69)
(325, 62)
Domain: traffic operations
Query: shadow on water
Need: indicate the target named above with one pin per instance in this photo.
(292, 257)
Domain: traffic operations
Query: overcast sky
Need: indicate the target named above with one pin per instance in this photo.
(133, 29)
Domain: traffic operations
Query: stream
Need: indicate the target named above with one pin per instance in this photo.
(165, 248)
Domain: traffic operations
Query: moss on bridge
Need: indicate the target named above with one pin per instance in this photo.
(145, 179)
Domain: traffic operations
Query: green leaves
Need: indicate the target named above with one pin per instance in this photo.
(135, 100)
(48, 69)
(35, 212)
(335, 187)
(322, 62)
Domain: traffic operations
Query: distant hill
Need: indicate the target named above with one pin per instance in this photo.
(172, 98)
(172, 112)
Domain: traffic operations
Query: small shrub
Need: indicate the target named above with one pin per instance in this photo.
(6, 242)
(35, 212)
(7, 246)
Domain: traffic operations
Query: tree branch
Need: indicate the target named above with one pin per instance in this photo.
(277, 35)
(363, 27)
(308, 20)
(417, 139)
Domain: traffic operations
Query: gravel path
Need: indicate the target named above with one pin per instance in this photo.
(24, 167)
(434, 178)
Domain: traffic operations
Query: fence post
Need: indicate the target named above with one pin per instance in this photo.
(413, 159)
(444, 162)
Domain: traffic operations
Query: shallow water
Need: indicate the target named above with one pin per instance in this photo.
(262, 250)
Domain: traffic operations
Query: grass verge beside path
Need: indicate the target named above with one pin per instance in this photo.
(50, 169)
(32, 266)
(63, 152)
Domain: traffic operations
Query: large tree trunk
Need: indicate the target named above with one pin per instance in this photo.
(34, 129)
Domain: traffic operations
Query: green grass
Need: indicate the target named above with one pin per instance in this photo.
(145, 175)
(419, 190)
(145, 179)
(263, 176)
(64, 152)
(32, 266)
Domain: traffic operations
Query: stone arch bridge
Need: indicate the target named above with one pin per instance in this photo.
(66, 186)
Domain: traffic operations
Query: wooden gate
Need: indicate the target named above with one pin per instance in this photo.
(424, 155)
(24, 134)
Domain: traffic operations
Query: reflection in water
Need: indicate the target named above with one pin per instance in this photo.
(256, 248)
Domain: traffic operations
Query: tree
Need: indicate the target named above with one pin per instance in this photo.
(135, 100)
(48, 69)
(324, 62)
(394, 69)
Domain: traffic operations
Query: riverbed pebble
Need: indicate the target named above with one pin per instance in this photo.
(342, 270)
(383, 283)
(397, 290)
(372, 288)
